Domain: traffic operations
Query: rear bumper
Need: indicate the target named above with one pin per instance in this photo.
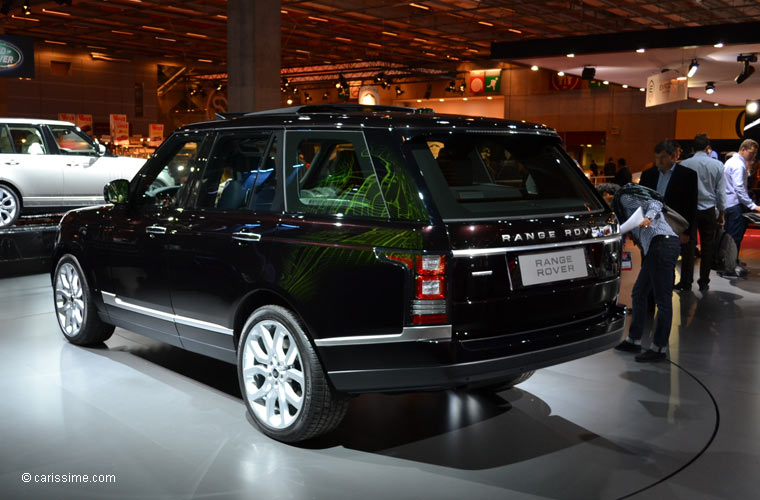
(436, 365)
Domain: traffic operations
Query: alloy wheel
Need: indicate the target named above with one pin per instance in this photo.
(273, 374)
(69, 299)
(8, 207)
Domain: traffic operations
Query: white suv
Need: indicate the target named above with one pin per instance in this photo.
(48, 164)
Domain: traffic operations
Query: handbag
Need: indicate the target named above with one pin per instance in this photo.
(676, 221)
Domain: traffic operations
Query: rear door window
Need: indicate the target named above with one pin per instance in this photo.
(331, 173)
(27, 140)
(475, 176)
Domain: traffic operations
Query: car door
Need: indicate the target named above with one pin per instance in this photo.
(221, 245)
(136, 279)
(83, 179)
(26, 165)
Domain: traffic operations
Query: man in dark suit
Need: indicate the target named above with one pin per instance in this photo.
(678, 184)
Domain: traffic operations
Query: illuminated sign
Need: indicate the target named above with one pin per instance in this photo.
(16, 57)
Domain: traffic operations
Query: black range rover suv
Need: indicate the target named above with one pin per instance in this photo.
(337, 250)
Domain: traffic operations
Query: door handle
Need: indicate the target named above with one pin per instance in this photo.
(155, 230)
(246, 236)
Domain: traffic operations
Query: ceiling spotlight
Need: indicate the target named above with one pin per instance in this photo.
(534, 68)
(399, 91)
(747, 70)
(693, 67)
(289, 101)
(27, 8)
(710, 87)
(306, 97)
(560, 73)
(718, 45)
(325, 96)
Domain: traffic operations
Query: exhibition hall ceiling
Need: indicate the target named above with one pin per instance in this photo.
(426, 35)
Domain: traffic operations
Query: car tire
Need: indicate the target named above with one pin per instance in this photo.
(507, 384)
(74, 307)
(282, 380)
(10, 206)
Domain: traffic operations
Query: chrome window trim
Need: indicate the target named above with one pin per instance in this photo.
(408, 334)
(112, 300)
(473, 252)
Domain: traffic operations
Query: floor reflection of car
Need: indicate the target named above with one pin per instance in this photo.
(47, 164)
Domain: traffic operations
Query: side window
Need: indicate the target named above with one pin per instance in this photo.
(331, 173)
(231, 178)
(71, 141)
(5, 141)
(163, 184)
(27, 140)
(399, 189)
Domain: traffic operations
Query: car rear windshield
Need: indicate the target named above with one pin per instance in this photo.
(485, 176)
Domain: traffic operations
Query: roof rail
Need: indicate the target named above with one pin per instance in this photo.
(339, 108)
(228, 115)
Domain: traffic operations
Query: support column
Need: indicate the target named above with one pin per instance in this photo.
(253, 54)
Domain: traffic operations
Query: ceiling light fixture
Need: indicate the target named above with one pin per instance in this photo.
(399, 91)
(699, 100)
(693, 67)
(560, 73)
(747, 70)
(56, 13)
(571, 55)
(515, 31)
(27, 8)
(534, 68)
(419, 6)
(641, 50)
(718, 45)
(710, 87)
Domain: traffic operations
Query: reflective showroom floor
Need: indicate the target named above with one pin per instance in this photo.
(171, 424)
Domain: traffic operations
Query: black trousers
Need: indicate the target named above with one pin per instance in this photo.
(707, 225)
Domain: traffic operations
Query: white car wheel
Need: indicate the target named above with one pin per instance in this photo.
(10, 206)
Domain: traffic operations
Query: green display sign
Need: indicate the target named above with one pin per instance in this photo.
(10, 55)
(16, 56)
(492, 83)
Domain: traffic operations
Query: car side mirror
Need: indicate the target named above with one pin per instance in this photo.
(101, 149)
(117, 192)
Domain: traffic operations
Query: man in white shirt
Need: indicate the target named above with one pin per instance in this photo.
(737, 199)
(711, 205)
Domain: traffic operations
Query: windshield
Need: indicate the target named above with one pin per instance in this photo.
(491, 176)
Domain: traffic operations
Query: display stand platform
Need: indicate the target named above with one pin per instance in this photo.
(27, 246)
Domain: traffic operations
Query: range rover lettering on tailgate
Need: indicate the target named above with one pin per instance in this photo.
(336, 250)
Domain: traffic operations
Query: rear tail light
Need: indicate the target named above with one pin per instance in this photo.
(429, 304)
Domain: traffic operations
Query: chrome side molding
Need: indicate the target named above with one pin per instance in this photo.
(112, 300)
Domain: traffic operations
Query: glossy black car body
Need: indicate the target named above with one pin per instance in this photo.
(187, 266)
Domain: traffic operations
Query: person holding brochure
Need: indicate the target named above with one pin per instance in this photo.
(660, 247)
